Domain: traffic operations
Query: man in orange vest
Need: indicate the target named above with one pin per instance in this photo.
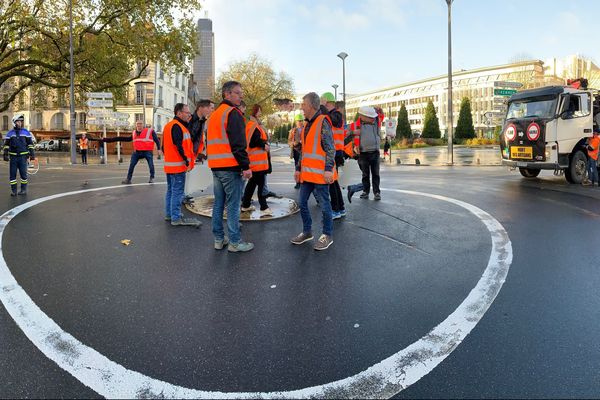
(337, 119)
(593, 145)
(229, 162)
(316, 170)
(83, 147)
(179, 158)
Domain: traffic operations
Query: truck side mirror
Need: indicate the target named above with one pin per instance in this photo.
(564, 107)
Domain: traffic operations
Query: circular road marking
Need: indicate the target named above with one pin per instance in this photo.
(383, 379)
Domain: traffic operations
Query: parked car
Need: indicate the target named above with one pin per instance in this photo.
(47, 145)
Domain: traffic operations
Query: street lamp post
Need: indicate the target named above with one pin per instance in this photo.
(144, 83)
(335, 86)
(450, 108)
(343, 56)
(72, 85)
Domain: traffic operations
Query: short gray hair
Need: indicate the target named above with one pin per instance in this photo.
(228, 87)
(313, 99)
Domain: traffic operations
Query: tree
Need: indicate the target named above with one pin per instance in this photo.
(431, 125)
(261, 84)
(403, 128)
(464, 126)
(110, 37)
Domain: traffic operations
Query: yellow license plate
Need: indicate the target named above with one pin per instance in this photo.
(521, 152)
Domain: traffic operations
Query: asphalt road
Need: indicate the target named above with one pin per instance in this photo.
(285, 317)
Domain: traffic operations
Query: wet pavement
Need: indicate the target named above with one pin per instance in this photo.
(285, 317)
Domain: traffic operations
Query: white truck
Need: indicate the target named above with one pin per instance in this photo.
(546, 128)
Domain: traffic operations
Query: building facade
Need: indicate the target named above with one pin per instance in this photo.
(47, 111)
(203, 66)
(485, 87)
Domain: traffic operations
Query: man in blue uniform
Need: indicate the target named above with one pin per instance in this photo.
(18, 148)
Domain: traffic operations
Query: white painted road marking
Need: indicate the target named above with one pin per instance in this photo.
(383, 379)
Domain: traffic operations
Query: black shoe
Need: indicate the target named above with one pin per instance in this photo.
(350, 194)
(364, 195)
(22, 192)
(297, 186)
(13, 193)
(377, 196)
(126, 182)
(151, 180)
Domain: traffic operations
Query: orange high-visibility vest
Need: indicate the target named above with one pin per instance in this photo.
(259, 159)
(338, 138)
(83, 143)
(312, 165)
(174, 164)
(594, 141)
(143, 141)
(218, 149)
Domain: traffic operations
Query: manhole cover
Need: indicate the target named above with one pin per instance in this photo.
(281, 208)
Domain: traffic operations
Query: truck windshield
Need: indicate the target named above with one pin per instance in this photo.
(541, 107)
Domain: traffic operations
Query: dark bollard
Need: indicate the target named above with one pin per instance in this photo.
(47, 160)
(417, 161)
(478, 161)
(398, 161)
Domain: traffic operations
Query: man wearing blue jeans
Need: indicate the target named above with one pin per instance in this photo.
(229, 162)
(315, 171)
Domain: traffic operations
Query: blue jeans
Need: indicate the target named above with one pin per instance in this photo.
(174, 196)
(321, 193)
(18, 163)
(135, 157)
(593, 170)
(228, 190)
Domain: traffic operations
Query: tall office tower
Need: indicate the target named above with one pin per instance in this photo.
(204, 63)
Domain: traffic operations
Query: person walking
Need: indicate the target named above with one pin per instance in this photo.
(592, 146)
(228, 159)
(294, 141)
(369, 142)
(179, 158)
(337, 119)
(386, 148)
(316, 170)
(83, 147)
(143, 140)
(257, 149)
(18, 149)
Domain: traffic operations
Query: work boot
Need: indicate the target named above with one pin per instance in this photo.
(151, 180)
(126, 182)
(22, 192)
(364, 195)
(240, 247)
(273, 194)
(377, 196)
(186, 222)
(13, 193)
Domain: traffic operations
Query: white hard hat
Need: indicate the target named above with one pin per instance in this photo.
(17, 117)
(367, 111)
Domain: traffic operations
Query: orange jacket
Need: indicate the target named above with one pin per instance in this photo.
(594, 142)
(312, 165)
(83, 143)
(218, 149)
(259, 159)
(174, 164)
(143, 141)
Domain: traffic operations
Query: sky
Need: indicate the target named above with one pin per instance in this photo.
(391, 42)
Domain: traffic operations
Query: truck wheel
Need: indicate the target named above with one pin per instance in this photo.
(529, 173)
(568, 175)
(577, 167)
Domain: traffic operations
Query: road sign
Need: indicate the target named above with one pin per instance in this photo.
(507, 84)
(99, 95)
(121, 115)
(120, 123)
(99, 112)
(100, 103)
(504, 92)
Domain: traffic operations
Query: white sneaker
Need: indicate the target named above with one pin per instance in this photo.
(247, 209)
(267, 212)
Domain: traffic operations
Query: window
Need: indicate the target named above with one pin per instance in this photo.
(58, 121)
(581, 102)
(5, 123)
(160, 96)
(159, 123)
(161, 73)
(39, 121)
(139, 93)
(82, 119)
(174, 99)
(177, 81)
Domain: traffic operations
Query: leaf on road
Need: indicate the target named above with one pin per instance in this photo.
(126, 242)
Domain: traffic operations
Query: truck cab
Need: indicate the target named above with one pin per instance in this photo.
(546, 128)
